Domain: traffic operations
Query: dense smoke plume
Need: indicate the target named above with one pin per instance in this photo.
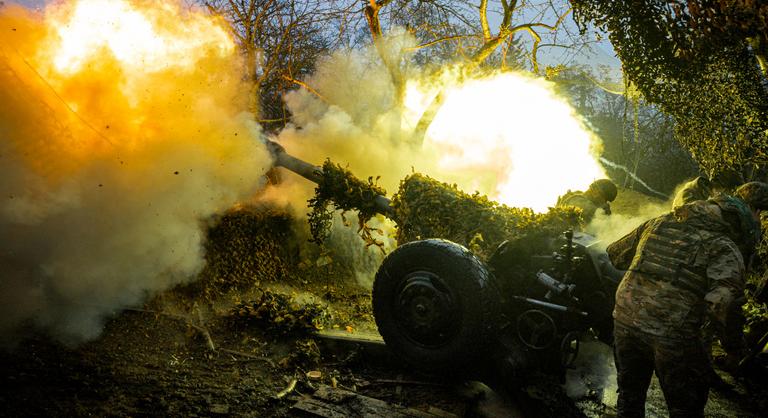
(121, 130)
(610, 228)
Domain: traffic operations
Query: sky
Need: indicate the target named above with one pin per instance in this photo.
(31, 3)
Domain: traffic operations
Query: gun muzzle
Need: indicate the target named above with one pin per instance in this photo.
(314, 174)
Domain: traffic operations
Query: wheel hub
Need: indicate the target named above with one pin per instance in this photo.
(426, 310)
(536, 329)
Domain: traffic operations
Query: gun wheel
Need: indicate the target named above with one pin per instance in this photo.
(435, 305)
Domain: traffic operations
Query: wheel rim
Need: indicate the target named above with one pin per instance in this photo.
(536, 329)
(427, 311)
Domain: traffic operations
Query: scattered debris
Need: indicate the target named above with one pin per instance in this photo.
(332, 402)
(305, 353)
(249, 356)
(400, 382)
(288, 389)
(199, 327)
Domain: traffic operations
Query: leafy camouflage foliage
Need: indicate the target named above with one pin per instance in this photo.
(708, 79)
(280, 313)
(340, 189)
(426, 208)
(756, 315)
(253, 246)
(756, 309)
(245, 246)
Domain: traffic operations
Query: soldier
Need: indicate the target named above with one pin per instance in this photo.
(597, 196)
(682, 266)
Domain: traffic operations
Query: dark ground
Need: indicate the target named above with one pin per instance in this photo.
(149, 364)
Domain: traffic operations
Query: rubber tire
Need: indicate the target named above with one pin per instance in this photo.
(476, 297)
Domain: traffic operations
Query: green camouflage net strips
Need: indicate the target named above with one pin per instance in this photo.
(340, 189)
(245, 246)
(426, 208)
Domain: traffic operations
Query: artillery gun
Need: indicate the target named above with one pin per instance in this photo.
(524, 308)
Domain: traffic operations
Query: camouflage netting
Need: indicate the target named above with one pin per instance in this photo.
(340, 189)
(426, 208)
(246, 246)
(280, 313)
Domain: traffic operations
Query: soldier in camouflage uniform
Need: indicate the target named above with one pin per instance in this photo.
(701, 188)
(596, 197)
(681, 267)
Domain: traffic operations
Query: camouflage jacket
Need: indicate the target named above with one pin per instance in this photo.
(659, 305)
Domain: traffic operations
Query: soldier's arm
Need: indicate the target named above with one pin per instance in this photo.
(606, 208)
(726, 271)
(580, 201)
(623, 250)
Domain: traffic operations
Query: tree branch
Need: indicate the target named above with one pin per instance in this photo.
(435, 42)
(484, 20)
(306, 86)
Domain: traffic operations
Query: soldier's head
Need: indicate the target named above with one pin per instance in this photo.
(743, 220)
(755, 194)
(703, 183)
(602, 191)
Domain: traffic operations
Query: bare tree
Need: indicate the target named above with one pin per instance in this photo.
(280, 41)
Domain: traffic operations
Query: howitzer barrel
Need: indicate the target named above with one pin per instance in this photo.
(314, 174)
(310, 172)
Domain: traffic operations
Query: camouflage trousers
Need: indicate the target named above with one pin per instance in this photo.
(680, 364)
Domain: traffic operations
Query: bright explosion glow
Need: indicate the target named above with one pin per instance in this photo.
(511, 137)
(139, 38)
